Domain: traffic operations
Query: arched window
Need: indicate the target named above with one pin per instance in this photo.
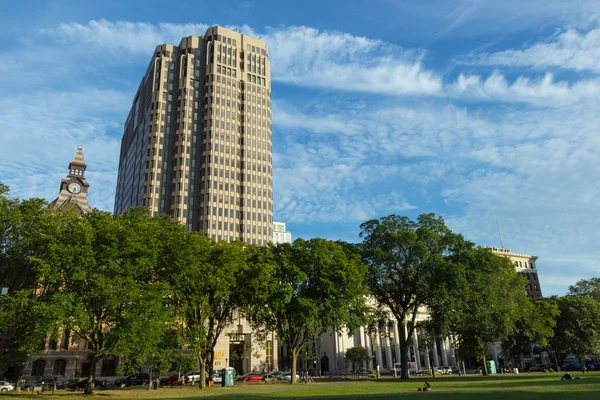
(38, 368)
(60, 366)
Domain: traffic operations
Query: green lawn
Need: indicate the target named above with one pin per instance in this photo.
(525, 386)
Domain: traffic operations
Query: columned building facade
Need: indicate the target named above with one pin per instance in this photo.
(383, 349)
(197, 141)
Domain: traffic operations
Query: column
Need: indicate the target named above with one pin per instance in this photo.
(444, 353)
(427, 363)
(452, 352)
(407, 342)
(359, 337)
(388, 349)
(379, 359)
(369, 350)
(417, 353)
(397, 341)
(436, 361)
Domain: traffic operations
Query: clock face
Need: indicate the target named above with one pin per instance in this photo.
(74, 187)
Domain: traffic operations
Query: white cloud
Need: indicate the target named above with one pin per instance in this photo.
(543, 91)
(570, 49)
(308, 57)
(134, 37)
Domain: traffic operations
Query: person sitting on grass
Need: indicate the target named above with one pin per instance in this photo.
(566, 377)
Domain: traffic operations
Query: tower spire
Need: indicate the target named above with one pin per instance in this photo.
(77, 166)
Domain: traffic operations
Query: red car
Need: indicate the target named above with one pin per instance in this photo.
(253, 378)
(173, 380)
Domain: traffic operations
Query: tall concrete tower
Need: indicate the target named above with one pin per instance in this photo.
(197, 141)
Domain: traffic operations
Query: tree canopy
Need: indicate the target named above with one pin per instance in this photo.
(492, 299)
(404, 260)
(314, 286)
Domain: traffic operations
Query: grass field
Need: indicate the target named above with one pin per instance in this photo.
(525, 386)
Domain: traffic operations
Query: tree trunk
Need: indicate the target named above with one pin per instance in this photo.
(403, 353)
(209, 365)
(484, 370)
(202, 374)
(294, 362)
(20, 373)
(91, 379)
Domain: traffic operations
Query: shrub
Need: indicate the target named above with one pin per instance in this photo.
(551, 370)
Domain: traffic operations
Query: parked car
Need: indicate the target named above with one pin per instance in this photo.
(31, 384)
(454, 370)
(217, 376)
(446, 370)
(286, 376)
(6, 386)
(173, 380)
(362, 371)
(252, 377)
(423, 372)
(83, 383)
(192, 377)
(272, 376)
(133, 380)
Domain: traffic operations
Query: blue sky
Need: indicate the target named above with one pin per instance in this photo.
(475, 110)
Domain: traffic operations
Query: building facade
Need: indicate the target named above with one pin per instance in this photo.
(525, 265)
(280, 235)
(197, 141)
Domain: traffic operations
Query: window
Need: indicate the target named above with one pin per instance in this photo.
(60, 367)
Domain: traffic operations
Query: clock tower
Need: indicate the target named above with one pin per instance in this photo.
(74, 188)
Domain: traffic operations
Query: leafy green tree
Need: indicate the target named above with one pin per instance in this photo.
(313, 287)
(209, 282)
(103, 277)
(356, 356)
(534, 326)
(26, 230)
(577, 328)
(405, 260)
(492, 299)
(589, 287)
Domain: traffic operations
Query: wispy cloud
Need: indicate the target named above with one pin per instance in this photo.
(133, 37)
(570, 49)
(544, 91)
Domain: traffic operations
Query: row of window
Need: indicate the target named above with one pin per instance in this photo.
(523, 264)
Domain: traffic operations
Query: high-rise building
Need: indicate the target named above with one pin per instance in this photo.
(525, 265)
(197, 141)
(280, 235)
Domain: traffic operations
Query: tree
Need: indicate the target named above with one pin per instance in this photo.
(490, 302)
(357, 355)
(103, 277)
(313, 287)
(577, 328)
(404, 259)
(26, 317)
(535, 326)
(210, 281)
(589, 287)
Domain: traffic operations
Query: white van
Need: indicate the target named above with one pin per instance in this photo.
(412, 368)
